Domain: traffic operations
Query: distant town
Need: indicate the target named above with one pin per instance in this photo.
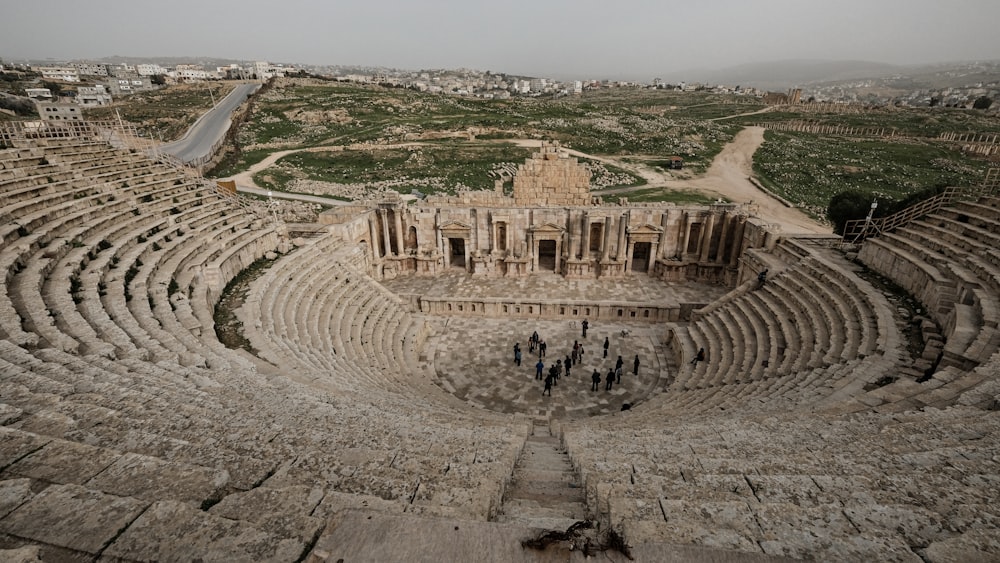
(24, 86)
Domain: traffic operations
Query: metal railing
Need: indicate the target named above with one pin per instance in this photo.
(858, 230)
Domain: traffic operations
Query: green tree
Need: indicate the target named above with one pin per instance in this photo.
(847, 206)
(982, 102)
(158, 79)
(53, 87)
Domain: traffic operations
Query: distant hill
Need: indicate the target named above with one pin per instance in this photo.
(782, 75)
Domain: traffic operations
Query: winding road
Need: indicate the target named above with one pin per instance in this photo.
(196, 145)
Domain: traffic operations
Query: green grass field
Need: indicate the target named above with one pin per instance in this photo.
(632, 124)
(809, 169)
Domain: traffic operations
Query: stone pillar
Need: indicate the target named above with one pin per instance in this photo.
(738, 231)
(654, 248)
(720, 255)
(398, 212)
(373, 233)
(474, 235)
(628, 256)
(574, 238)
(399, 229)
(468, 256)
(706, 237)
(606, 245)
(437, 231)
(622, 225)
(684, 234)
(665, 224)
(385, 231)
(533, 250)
(558, 253)
(585, 235)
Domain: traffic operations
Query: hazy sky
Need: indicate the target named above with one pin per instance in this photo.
(560, 38)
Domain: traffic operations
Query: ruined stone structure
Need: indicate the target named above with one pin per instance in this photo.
(550, 178)
(361, 428)
(550, 225)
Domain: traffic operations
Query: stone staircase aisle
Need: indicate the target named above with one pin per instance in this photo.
(545, 491)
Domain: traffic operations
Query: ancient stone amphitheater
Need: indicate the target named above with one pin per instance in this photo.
(834, 418)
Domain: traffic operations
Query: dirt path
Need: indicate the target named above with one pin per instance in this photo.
(728, 177)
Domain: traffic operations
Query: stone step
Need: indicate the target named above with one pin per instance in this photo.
(525, 508)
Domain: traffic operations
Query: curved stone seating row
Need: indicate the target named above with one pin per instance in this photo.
(948, 260)
(819, 487)
(314, 310)
(171, 421)
(812, 315)
(114, 390)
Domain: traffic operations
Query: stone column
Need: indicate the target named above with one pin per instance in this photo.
(533, 250)
(474, 235)
(721, 252)
(685, 232)
(665, 224)
(438, 237)
(628, 256)
(585, 235)
(574, 238)
(399, 229)
(654, 248)
(738, 231)
(468, 255)
(622, 225)
(606, 245)
(558, 252)
(373, 233)
(706, 237)
(385, 231)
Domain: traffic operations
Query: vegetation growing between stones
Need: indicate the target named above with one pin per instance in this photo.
(228, 327)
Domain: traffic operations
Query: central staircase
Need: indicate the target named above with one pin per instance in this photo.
(545, 492)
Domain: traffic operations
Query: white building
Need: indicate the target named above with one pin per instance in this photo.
(58, 111)
(63, 73)
(93, 95)
(90, 69)
(38, 93)
(149, 69)
(191, 72)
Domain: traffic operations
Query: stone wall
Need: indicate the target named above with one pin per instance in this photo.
(550, 177)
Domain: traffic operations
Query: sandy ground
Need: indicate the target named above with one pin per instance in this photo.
(728, 177)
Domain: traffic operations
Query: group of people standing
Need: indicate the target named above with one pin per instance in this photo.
(563, 368)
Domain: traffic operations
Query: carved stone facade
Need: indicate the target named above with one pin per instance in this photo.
(702, 243)
(550, 226)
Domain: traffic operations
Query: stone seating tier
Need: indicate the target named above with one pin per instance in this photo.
(126, 410)
(745, 482)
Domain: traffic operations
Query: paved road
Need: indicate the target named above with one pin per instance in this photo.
(210, 128)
